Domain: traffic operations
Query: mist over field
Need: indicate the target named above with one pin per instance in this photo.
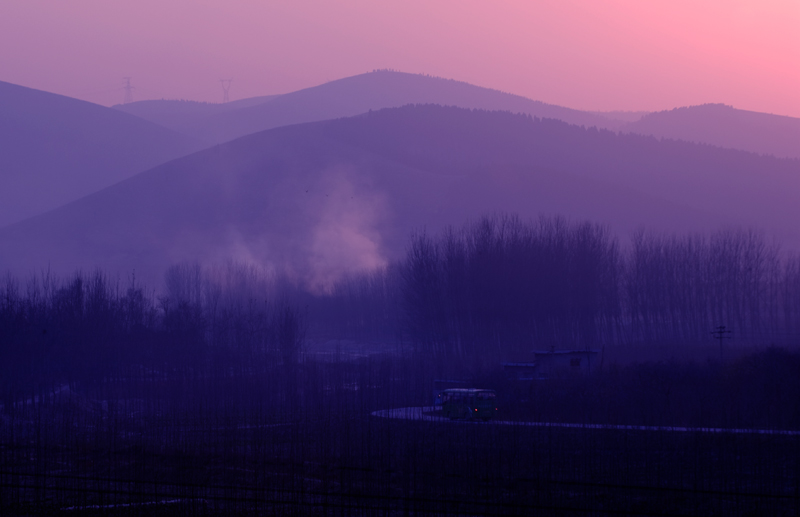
(557, 272)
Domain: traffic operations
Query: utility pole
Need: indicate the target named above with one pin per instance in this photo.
(128, 91)
(719, 333)
(226, 86)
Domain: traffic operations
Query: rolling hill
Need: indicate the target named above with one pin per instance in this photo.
(54, 149)
(712, 124)
(724, 126)
(348, 97)
(185, 116)
(323, 198)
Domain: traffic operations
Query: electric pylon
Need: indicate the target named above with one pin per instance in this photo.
(128, 91)
(226, 86)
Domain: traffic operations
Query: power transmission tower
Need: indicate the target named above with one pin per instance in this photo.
(226, 86)
(719, 333)
(128, 91)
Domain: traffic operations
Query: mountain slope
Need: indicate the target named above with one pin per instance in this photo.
(373, 91)
(323, 198)
(55, 149)
(184, 116)
(724, 126)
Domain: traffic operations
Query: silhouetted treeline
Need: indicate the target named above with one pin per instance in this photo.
(505, 286)
(233, 307)
(501, 287)
(90, 327)
(365, 306)
(679, 287)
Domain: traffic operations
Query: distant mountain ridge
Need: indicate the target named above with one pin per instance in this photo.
(358, 94)
(55, 149)
(713, 124)
(184, 116)
(321, 199)
(724, 126)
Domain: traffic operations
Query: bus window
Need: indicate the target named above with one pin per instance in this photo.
(462, 403)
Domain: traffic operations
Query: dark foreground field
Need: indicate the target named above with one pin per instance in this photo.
(299, 440)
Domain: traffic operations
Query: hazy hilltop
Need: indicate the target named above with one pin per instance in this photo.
(323, 198)
(622, 115)
(713, 124)
(185, 116)
(725, 126)
(55, 149)
(359, 94)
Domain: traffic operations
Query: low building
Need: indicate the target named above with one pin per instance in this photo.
(520, 371)
(553, 363)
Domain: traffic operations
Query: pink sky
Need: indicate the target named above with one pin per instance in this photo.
(586, 54)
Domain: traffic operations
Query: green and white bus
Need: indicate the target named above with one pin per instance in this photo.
(468, 403)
